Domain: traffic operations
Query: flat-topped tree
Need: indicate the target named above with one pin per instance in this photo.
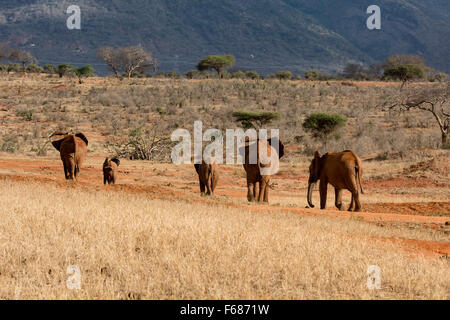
(218, 63)
(63, 69)
(255, 119)
(83, 72)
(405, 73)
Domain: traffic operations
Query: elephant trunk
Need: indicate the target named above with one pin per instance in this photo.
(311, 186)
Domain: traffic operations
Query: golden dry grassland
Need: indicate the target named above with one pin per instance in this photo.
(130, 247)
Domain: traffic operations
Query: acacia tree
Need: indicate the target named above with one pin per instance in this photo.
(110, 57)
(24, 58)
(126, 59)
(404, 73)
(83, 72)
(434, 100)
(63, 69)
(218, 63)
(255, 119)
(132, 58)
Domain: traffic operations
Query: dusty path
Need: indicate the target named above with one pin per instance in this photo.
(167, 182)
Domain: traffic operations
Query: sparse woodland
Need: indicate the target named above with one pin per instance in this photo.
(33, 107)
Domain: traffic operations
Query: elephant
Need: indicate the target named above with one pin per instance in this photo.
(72, 149)
(208, 175)
(110, 167)
(259, 173)
(343, 170)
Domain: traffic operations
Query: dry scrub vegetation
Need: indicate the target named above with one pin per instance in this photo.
(130, 247)
(113, 109)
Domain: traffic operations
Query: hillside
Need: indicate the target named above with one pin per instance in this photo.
(265, 35)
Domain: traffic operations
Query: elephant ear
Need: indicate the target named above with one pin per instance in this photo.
(117, 161)
(82, 137)
(58, 137)
(280, 146)
(197, 167)
(317, 157)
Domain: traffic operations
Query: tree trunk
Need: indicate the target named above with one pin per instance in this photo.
(445, 143)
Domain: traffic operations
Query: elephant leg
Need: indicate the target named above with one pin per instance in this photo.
(113, 180)
(338, 198)
(352, 204)
(250, 191)
(266, 192)
(213, 183)
(323, 193)
(66, 169)
(208, 185)
(355, 205)
(104, 180)
(355, 196)
(256, 189)
(71, 168)
(202, 187)
(262, 188)
(77, 170)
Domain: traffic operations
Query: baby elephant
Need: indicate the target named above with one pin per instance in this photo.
(208, 176)
(110, 170)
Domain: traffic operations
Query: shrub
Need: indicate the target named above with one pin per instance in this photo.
(50, 68)
(13, 67)
(404, 73)
(283, 75)
(312, 75)
(323, 125)
(25, 114)
(252, 75)
(33, 68)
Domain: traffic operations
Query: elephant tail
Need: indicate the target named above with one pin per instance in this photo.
(358, 177)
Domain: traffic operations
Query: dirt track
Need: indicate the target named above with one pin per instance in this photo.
(168, 182)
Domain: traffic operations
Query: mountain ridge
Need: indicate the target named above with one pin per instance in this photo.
(264, 35)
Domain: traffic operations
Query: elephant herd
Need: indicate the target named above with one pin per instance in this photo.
(343, 170)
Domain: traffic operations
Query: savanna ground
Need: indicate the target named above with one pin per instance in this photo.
(152, 236)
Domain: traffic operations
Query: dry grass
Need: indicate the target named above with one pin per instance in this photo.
(109, 109)
(128, 246)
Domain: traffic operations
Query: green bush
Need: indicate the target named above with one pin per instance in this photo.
(25, 114)
(404, 73)
(322, 125)
(312, 75)
(283, 75)
(63, 69)
(13, 67)
(83, 72)
(33, 68)
(50, 69)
